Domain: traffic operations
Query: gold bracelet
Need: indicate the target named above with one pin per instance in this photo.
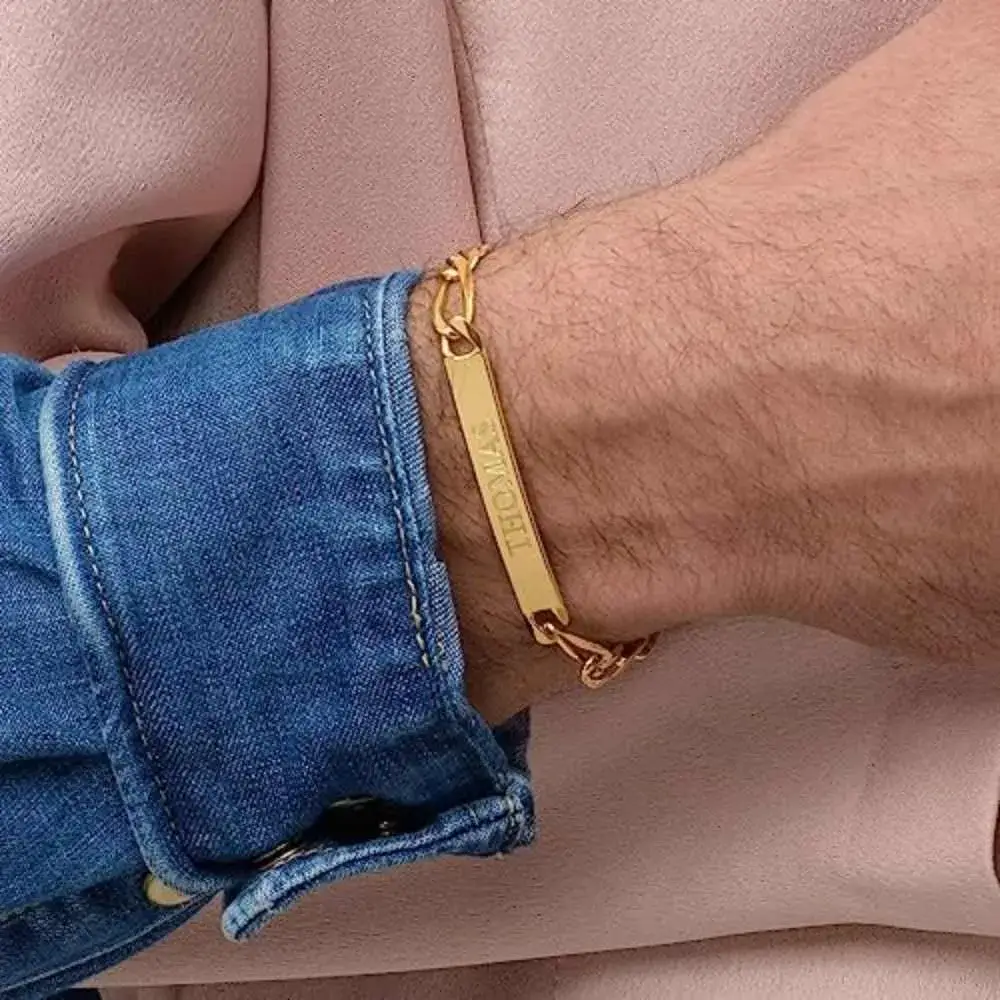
(477, 401)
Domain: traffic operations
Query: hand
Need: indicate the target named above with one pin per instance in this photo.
(772, 390)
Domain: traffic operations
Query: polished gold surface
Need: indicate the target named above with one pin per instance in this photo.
(498, 477)
(499, 482)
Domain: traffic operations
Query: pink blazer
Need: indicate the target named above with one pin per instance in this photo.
(755, 776)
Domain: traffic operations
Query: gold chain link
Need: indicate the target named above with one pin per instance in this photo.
(481, 416)
(457, 328)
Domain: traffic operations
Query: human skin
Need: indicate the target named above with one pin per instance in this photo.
(771, 390)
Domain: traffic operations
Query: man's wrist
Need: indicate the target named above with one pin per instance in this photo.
(586, 393)
(505, 669)
(771, 390)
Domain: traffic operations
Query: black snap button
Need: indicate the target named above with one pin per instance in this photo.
(355, 820)
(348, 821)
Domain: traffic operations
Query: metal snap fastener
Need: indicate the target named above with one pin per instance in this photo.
(352, 821)
(346, 822)
(160, 894)
(290, 850)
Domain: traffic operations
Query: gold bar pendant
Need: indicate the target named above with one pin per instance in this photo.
(499, 479)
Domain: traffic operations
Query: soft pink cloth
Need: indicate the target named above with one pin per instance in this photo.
(756, 775)
(130, 136)
(822, 964)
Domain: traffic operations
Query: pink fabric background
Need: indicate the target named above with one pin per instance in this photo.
(829, 964)
(131, 136)
(756, 776)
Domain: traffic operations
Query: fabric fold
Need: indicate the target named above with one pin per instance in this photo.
(241, 542)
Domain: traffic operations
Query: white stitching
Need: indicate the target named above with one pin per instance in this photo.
(471, 747)
(415, 616)
(116, 633)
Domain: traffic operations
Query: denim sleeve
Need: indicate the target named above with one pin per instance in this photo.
(228, 649)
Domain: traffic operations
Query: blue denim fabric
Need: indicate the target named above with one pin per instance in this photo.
(223, 615)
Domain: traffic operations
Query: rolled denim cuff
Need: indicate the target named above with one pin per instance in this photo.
(246, 541)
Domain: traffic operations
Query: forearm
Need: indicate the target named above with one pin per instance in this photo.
(770, 390)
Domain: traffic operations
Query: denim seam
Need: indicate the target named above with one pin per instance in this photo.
(293, 892)
(403, 472)
(415, 616)
(515, 818)
(109, 617)
(472, 748)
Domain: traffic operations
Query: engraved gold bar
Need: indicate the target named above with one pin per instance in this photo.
(499, 480)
